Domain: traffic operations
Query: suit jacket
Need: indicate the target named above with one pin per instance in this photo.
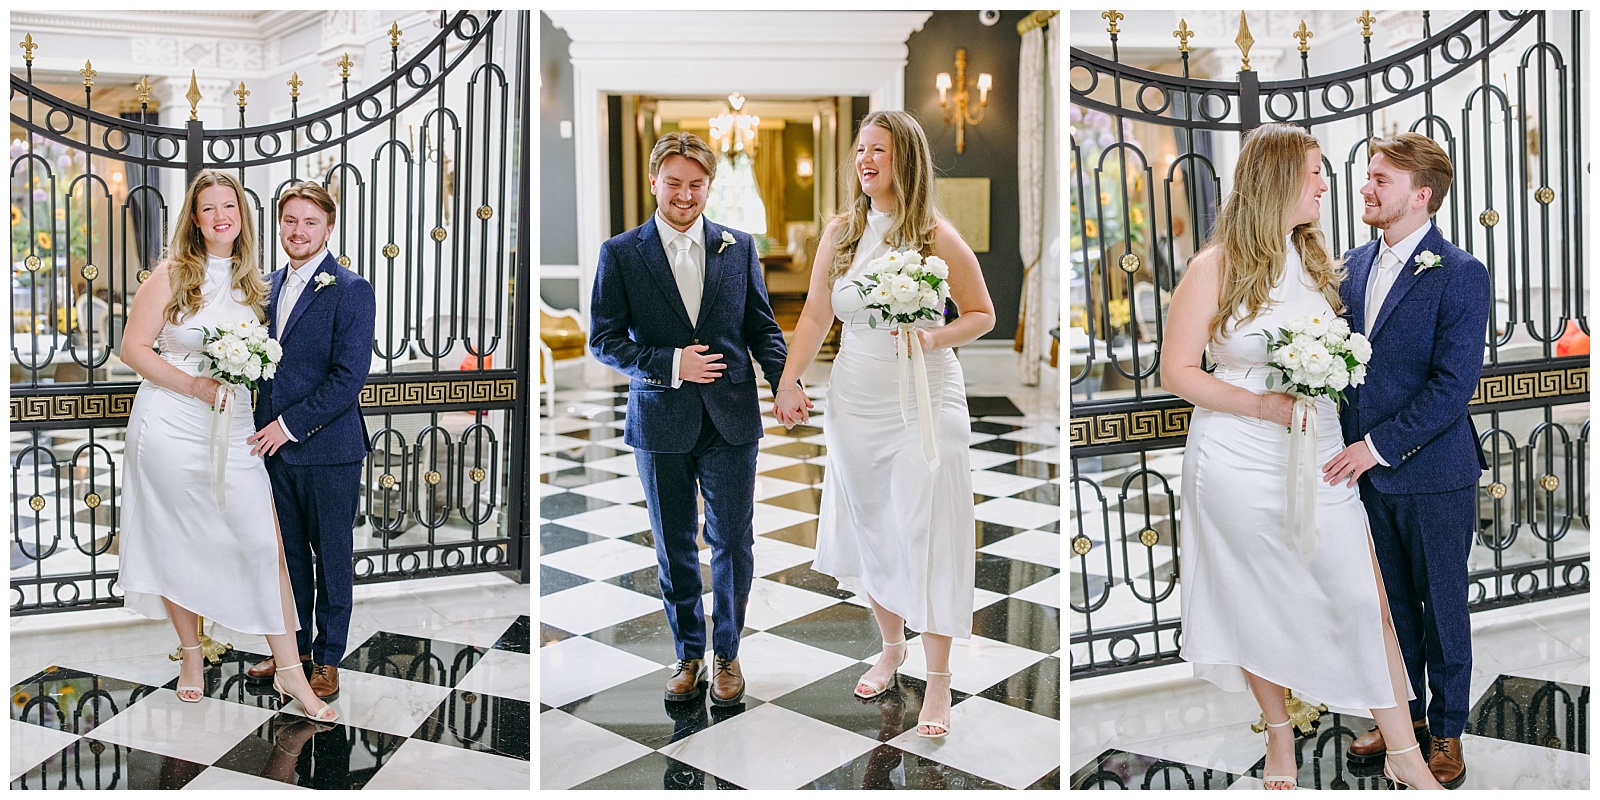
(1427, 356)
(637, 319)
(327, 353)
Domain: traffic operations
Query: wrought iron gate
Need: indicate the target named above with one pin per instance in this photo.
(1145, 179)
(429, 167)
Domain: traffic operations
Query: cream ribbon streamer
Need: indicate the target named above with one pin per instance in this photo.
(1302, 511)
(221, 427)
(908, 351)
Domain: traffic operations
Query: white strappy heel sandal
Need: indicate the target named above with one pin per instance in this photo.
(199, 691)
(944, 727)
(1401, 752)
(1292, 780)
(894, 677)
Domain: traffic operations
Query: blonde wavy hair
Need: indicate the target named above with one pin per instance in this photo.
(916, 214)
(186, 254)
(1266, 186)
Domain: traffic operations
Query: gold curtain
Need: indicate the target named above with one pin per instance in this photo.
(771, 173)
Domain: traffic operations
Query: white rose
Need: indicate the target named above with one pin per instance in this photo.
(215, 349)
(1339, 327)
(879, 295)
(1304, 339)
(236, 351)
(1296, 325)
(1312, 380)
(1360, 347)
(1315, 359)
(1289, 355)
(904, 288)
(273, 350)
(252, 369)
(937, 268)
(269, 370)
(927, 298)
(1317, 324)
(258, 335)
(1338, 377)
(1358, 376)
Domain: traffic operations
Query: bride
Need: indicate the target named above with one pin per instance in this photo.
(184, 554)
(1253, 608)
(892, 528)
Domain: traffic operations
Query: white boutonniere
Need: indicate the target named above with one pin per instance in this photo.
(1426, 260)
(325, 280)
(727, 239)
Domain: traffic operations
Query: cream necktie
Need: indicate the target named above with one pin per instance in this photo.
(687, 272)
(287, 298)
(1382, 278)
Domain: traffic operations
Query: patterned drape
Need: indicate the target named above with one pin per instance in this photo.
(1035, 103)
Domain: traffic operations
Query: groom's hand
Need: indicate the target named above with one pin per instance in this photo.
(1349, 464)
(266, 441)
(697, 368)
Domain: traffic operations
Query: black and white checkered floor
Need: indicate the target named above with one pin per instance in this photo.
(605, 647)
(446, 708)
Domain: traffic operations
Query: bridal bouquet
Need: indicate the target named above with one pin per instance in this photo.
(1317, 355)
(903, 288)
(241, 352)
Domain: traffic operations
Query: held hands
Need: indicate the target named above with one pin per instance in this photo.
(1349, 464)
(791, 406)
(696, 368)
(205, 390)
(266, 441)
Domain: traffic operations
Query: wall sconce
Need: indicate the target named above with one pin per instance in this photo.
(804, 170)
(956, 108)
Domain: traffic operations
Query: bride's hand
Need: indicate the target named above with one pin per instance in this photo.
(205, 390)
(925, 335)
(1276, 407)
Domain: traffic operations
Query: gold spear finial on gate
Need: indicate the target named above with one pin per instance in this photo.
(1112, 17)
(1304, 36)
(394, 35)
(241, 93)
(344, 66)
(1245, 41)
(294, 83)
(1366, 19)
(1183, 33)
(193, 96)
(143, 88)
(27, 48)
(88, 73)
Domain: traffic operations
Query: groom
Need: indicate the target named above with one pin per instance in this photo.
(310, 428)
(679, 307)
(1424, 304)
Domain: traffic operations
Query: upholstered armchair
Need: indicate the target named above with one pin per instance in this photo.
(561, 338)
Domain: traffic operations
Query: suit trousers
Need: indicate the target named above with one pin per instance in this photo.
(1422, 542)
(724, 474)
(316, 506)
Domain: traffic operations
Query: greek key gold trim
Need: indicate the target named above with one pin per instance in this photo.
(385, 395)
(1531, 385)
(65, 407)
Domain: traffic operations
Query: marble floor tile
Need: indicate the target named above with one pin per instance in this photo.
(603, 559)
(994, 741)
(1046, 592)
(200, 732)
(593, 606)
(774, 665)
(771, 604)
(575, 668)
(1035, 546)
(31, 744)
(999, 484)
(755, 750)
(217, 779)
(572, 751)
(501, 674)
(613, 522)
(622, 490)
(1017, 513)
(425, 765)
(382, 703)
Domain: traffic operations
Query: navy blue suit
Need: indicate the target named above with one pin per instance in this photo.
(1427, 356)
(699, 438)
(316, 481)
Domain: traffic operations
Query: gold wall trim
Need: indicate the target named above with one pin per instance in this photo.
(457, 392)
(1150, 425)
(68, 407)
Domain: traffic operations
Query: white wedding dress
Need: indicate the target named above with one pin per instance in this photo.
(1250, 600)
(890, 526)
(176, 542)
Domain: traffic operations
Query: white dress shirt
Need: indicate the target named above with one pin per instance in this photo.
(1403, 251)
(697, 254)
(304, 273)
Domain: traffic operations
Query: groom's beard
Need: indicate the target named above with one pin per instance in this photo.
(301, 252)
(1380, 219)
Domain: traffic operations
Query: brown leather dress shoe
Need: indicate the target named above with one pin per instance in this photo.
(1448, 765)
(1368, 748)
(687, 682)
(727, 682)
(325, 681)
(263, 671)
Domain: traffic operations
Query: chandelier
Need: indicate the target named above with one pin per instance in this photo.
(734, 132)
